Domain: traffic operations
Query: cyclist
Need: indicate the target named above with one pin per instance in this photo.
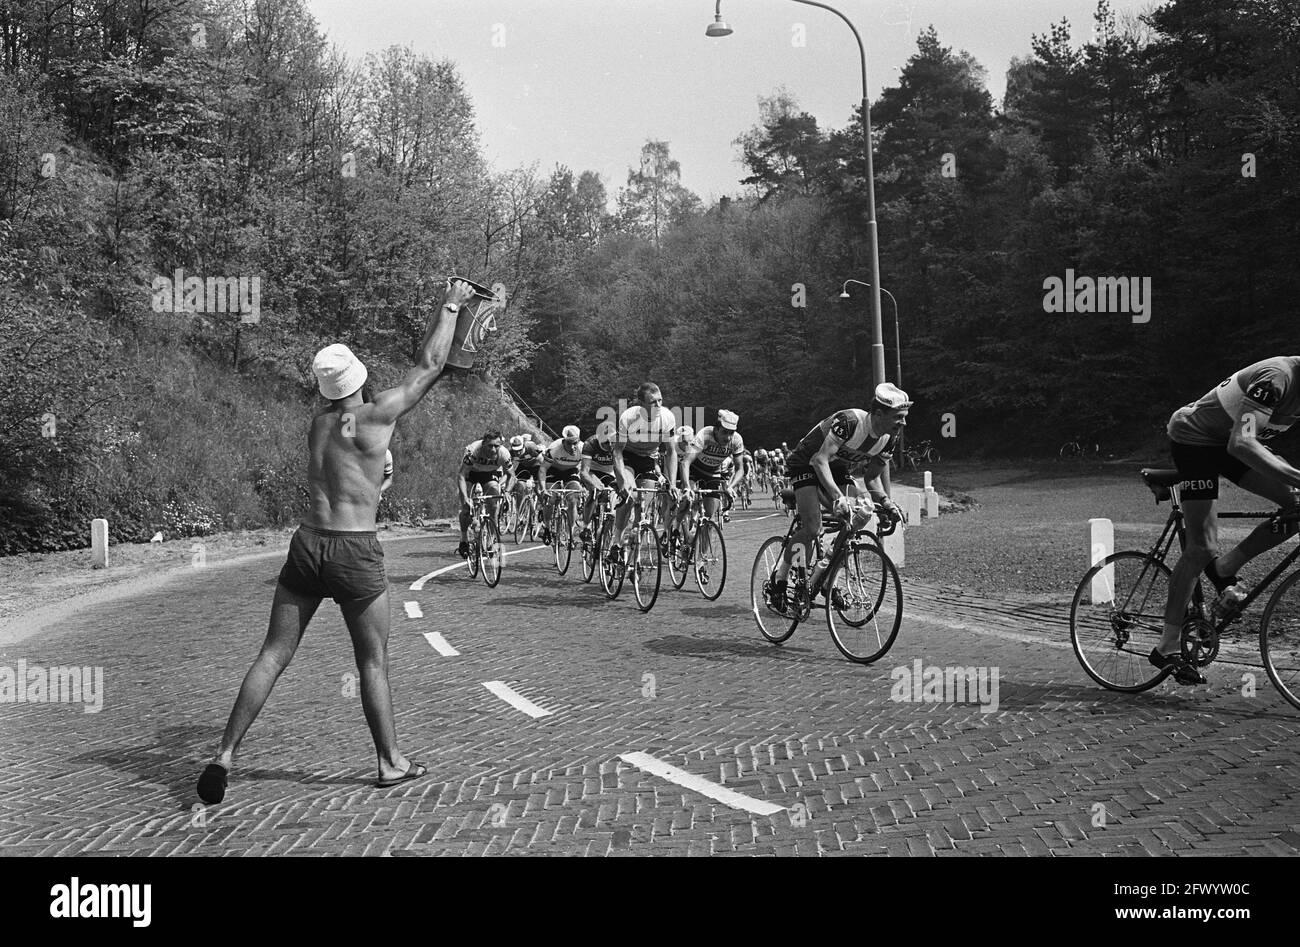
(704, 467)
(820, 465)
(760, 466)
(1224, 433)
(486, 461)
(527, 456)
(597, 471)
(560, 462)
(643, 430)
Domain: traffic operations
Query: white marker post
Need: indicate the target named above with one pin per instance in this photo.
(99, 544)
(912, 507)
(1101, 543)
(931, 499)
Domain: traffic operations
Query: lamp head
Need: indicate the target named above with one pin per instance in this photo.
(718, 27)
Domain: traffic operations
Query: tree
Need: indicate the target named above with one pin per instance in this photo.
(654, 198)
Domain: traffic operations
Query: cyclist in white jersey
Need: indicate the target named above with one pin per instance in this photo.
(643, 431)
(1224, 433)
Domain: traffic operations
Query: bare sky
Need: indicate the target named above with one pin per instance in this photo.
(585, 83)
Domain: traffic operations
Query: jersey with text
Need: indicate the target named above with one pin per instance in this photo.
(1268, 390)
(642, 433)
(600, 455)
(849, 428)
(563, 455)
(712, 451)
(481, 459)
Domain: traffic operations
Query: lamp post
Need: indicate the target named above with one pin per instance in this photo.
(898, 345)
(719, 28)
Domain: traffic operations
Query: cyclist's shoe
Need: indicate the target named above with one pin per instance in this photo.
(664, 545)
(838, 601)
(1184, 673)
(463, 549)
(543, 535)
(726, 517)
(615, 554)
(776, 595)
(1228, 605)
(586, 536)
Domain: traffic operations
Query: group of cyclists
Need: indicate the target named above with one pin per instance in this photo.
(842, 459)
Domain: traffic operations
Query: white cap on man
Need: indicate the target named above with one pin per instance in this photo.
(571, 433)
(889, 397)
(727, 420)
(338, 372)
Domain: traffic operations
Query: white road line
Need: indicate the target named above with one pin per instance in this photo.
(440, 644)
(516, 699)
(768, 517)
(413, 610)
(728, 797)
(418, 584)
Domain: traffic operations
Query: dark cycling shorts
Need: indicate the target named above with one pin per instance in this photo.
(562, 476)
(484, 477)
(606, 479)
(807, 477)
(527, 473)
(1201, 467)
(330, 563)
(708, 478)
(643, 466)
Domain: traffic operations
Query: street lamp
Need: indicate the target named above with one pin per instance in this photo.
(719, 28)
(898, 345)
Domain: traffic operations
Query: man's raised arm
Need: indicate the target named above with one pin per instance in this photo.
(429, 364)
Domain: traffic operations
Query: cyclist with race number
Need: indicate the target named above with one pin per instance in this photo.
(645, 430)
(822, 465)
(1224, 433)
(486, 462)
(703, 467)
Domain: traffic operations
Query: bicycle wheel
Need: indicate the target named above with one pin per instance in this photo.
(1117, 619)
(773, 626)
(522, 515)
(864, 603)
(679, 558)
(472, 558)
(932, 456)
(647, 568)
(490, 554)
(1279, 639)
(710, 560)
(562, 540)
(589, 557)
(611, 573)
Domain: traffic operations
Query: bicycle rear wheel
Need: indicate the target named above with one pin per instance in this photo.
(1279, 639)
(864, 603)
(679, 558)
(611, 573)
(1117, 619)
(772, 625)
(647, 568)
(710, 560)
(490, 554)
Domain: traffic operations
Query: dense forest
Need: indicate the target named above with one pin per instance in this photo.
(139, 138)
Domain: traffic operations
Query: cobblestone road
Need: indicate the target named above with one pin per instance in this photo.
(1061, 767)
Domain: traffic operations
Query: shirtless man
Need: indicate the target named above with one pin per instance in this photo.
(335, 552)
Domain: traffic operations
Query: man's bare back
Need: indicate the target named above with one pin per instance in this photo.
(346, 446)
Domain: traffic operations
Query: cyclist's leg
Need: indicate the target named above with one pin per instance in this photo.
(1262, 538)
(808, 503)
(1200, 494)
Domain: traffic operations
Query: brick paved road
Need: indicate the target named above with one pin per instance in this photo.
(1207, 771)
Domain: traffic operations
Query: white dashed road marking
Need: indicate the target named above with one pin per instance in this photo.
(440, 644)
(515, 699)
(418, 584)
(413, 610)
(728, 797)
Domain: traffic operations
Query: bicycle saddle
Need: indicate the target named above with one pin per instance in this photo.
(1159, 480)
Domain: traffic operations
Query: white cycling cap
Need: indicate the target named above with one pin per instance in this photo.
(890, 397)
(686, 431)
(571, 432)
(727, 420)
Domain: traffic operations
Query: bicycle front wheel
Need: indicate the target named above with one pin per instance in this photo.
(772, 625)
(589, 558)
(1117, 619)
(523, 513)
(647, 568)
(1279, 639)
(472, 558)
(562, 540)
(864, 603)
(611, 571)
(710, 560)
(679, 558)
(490, 554)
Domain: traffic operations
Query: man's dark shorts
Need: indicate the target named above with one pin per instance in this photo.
(807, 477)
(643, 466)
(330, 563)
(1201, 467)
(707, 478)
